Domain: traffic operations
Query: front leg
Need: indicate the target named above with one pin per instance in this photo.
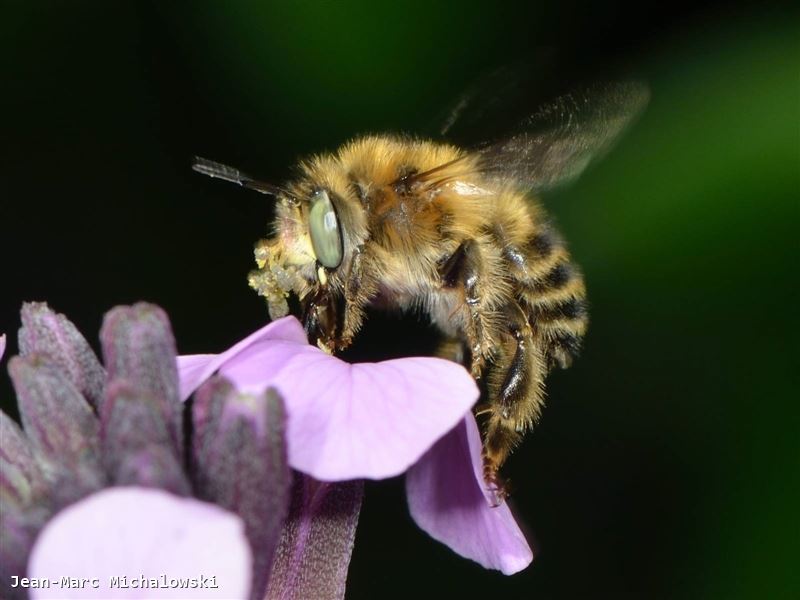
(320, 317)
(332, 315)
(465, 272)
(360, 288)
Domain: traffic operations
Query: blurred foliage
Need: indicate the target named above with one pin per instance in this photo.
(667, 462)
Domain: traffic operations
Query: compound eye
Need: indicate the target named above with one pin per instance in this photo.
(326, 238)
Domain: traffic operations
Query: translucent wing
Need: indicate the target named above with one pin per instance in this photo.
(491, 102)
(557, 142)
(496, 100)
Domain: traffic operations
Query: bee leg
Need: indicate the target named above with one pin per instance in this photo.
(464, 269)
(358, 291)
(515, 390)
(320, 310)
(453, 348)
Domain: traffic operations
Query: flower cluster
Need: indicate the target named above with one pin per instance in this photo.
(105, 489)
(116, 475)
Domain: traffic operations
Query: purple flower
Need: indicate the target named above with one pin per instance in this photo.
(377, 420)
(103, 483)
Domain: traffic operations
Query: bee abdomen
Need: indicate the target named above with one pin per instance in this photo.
(559, 283)
(551, 290)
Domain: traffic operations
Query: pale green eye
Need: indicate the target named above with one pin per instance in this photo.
(324, 227)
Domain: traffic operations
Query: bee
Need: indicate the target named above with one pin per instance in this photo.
(392, 222)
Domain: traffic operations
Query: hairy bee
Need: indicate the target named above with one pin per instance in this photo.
(400, 223)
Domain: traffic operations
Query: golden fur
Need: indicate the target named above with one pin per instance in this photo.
(423, 229)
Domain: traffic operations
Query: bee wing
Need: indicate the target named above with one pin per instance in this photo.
(487, 103)
(555, 144)
(493, 103)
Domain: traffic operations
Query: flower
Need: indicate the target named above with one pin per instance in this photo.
(104, 484)
(447, 498)
(368, 420)
(377, 420)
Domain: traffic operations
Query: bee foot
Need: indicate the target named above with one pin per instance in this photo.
(478, 363)
(326, 348)
(498, 488)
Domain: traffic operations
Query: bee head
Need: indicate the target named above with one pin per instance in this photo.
(319, 222)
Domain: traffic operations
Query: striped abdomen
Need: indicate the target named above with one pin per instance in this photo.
(552, 293)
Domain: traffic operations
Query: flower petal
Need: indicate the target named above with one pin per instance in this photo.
(369, 420)
(448, 499)
(2, 345)
(357, 421)
(133, 533)
(317, 541)
(194, 369)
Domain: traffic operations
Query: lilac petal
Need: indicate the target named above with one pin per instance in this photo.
(240, 464)
(60, 425)
(2, 345)
(370, 420)
(137, 444)
(317, 541)
(136, 532)
(448, 498)
(138, 346)
(356, 421)
(194, 369)
(46, 332)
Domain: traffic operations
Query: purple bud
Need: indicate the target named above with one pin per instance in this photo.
(24, 503)
(137, 444)
(22, 482)
(138, 347)
(317, 540)
(18, 536)
(240, 464)
(60, 425)
(49, 333)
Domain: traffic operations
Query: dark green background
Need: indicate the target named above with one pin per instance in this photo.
(667, 461)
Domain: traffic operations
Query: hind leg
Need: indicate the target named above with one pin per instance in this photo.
(453, 348)
(515, 391)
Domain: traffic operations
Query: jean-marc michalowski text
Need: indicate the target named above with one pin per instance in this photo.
(118, 582)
